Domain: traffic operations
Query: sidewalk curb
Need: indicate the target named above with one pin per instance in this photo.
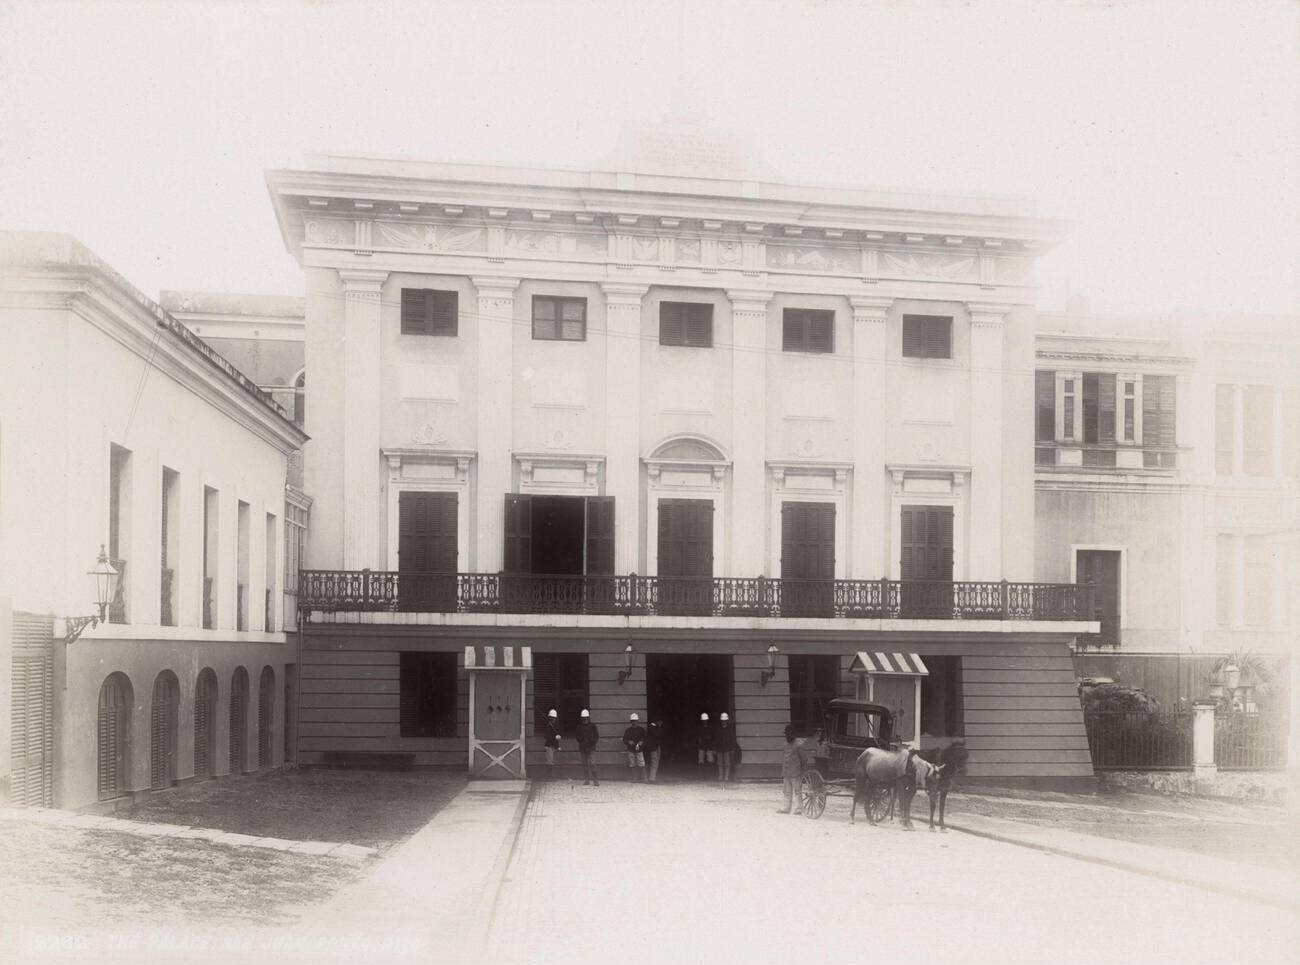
(497, 876)
(1247, 894)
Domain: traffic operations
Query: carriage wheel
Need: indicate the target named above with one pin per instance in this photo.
(879, 803)
(812, 795)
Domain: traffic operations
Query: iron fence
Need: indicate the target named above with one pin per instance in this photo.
(381, 590)
(1140, 741)
(1250, 741)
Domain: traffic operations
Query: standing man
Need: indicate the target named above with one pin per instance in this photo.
(552, 742)
(725, 744)
(704, 740)
(588, 736)
(654, 741)
(793, 762)
(634, 742)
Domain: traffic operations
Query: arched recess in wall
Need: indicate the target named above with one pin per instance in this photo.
(265, 716)
(688, 448)
(239, 721)
(300, 398)
(163, 730)
(113, 735)
(205, 721)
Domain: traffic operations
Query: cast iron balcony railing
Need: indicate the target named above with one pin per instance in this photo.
(632, 595)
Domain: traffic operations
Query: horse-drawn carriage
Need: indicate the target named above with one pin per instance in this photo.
(849, 727)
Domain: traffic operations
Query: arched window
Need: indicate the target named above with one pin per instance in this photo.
(300, 398)
(205, 721)
(113, 734)
(265, 716)
(163, 730)
(239, 721)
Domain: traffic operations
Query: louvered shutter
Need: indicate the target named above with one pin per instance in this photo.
(825, 516)
(821, 331)
(790, 567)
(158, 736)
(944, 525)
(791, 331)
(1106, 408)
(413, 311)
(518, 534)
(412, 533)
(443, 308)
(1158, 411)
(409, 695)
(111, 732)
(907, 560)
(32, 710)
(441, 552)
(203, 697)
(672, 323)
(600, 535)
(238, 722)
(699, 325)
(265, 717)
(1045, 405)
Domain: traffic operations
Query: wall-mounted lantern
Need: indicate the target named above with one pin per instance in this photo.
(105, 575)
(770, 672)
(627, 672)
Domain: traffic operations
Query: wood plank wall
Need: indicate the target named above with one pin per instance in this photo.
(1022, 712)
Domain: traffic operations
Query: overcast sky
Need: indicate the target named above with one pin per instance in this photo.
(1167, 132)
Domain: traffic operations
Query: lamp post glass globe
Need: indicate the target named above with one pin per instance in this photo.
(105, 575)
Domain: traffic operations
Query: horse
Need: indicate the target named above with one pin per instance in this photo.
(951, 762)
(895, 770)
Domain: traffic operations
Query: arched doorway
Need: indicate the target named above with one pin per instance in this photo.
(163, 730)
(113, 735)
(265, 716)
(205, 721)
(239, 721)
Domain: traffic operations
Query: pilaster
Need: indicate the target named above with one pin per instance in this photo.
(362, 478)
(495, 416)
(623, 306)
(987, 512)
(749, 431)
(867, 535)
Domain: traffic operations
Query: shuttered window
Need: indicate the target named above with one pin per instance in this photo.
(559, 319)
(265, 717)
(559, 683)
(807, 541)
(1257, 430)
(814, 682)
(597, 534)
(600, 536)
(32, 711)
(519, 534)
(205, 706)
(426, 311)
(426, 538)
(428, 694)
(1045, 406)
(808, 330)
(688, 324)
(113, 732)
(162, 731)
(1225, 425)
(926, 543)
(239, 721)
(927, 336)
(1099, 408)
(1158, 411)
(686, 537)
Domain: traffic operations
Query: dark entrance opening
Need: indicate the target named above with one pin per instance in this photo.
(557, 531)
(680, 687)
(942, 717)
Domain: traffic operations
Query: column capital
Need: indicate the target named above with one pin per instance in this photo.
(495, 286)
(362, 282)
(870, 308)
(623, 294)
(987, 314)
(749, 300)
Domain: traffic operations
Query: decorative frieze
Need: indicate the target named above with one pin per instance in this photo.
(930, 266)
(803, 258)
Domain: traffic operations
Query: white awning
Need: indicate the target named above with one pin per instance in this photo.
(898, 664)
(498, 657)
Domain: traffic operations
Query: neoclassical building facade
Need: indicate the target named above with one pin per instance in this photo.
(695, 441)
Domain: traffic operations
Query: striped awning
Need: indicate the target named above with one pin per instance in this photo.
(905, 664)
(498, 657)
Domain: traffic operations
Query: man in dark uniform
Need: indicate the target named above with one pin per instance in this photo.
(588, 737)
(552, 742)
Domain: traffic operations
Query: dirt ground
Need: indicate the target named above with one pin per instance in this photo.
(1247, 832)
(376, 809)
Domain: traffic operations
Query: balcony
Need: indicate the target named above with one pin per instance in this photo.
(386, 591)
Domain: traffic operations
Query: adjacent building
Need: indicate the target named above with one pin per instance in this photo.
(121, 430)
(701, 444)
(1167, 470)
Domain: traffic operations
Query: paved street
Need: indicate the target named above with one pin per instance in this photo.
(711, 874)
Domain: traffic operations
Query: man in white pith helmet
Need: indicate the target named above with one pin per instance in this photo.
(726, 746)
(552, 741)
(634, 742)
(704, 740)
(588, 736)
